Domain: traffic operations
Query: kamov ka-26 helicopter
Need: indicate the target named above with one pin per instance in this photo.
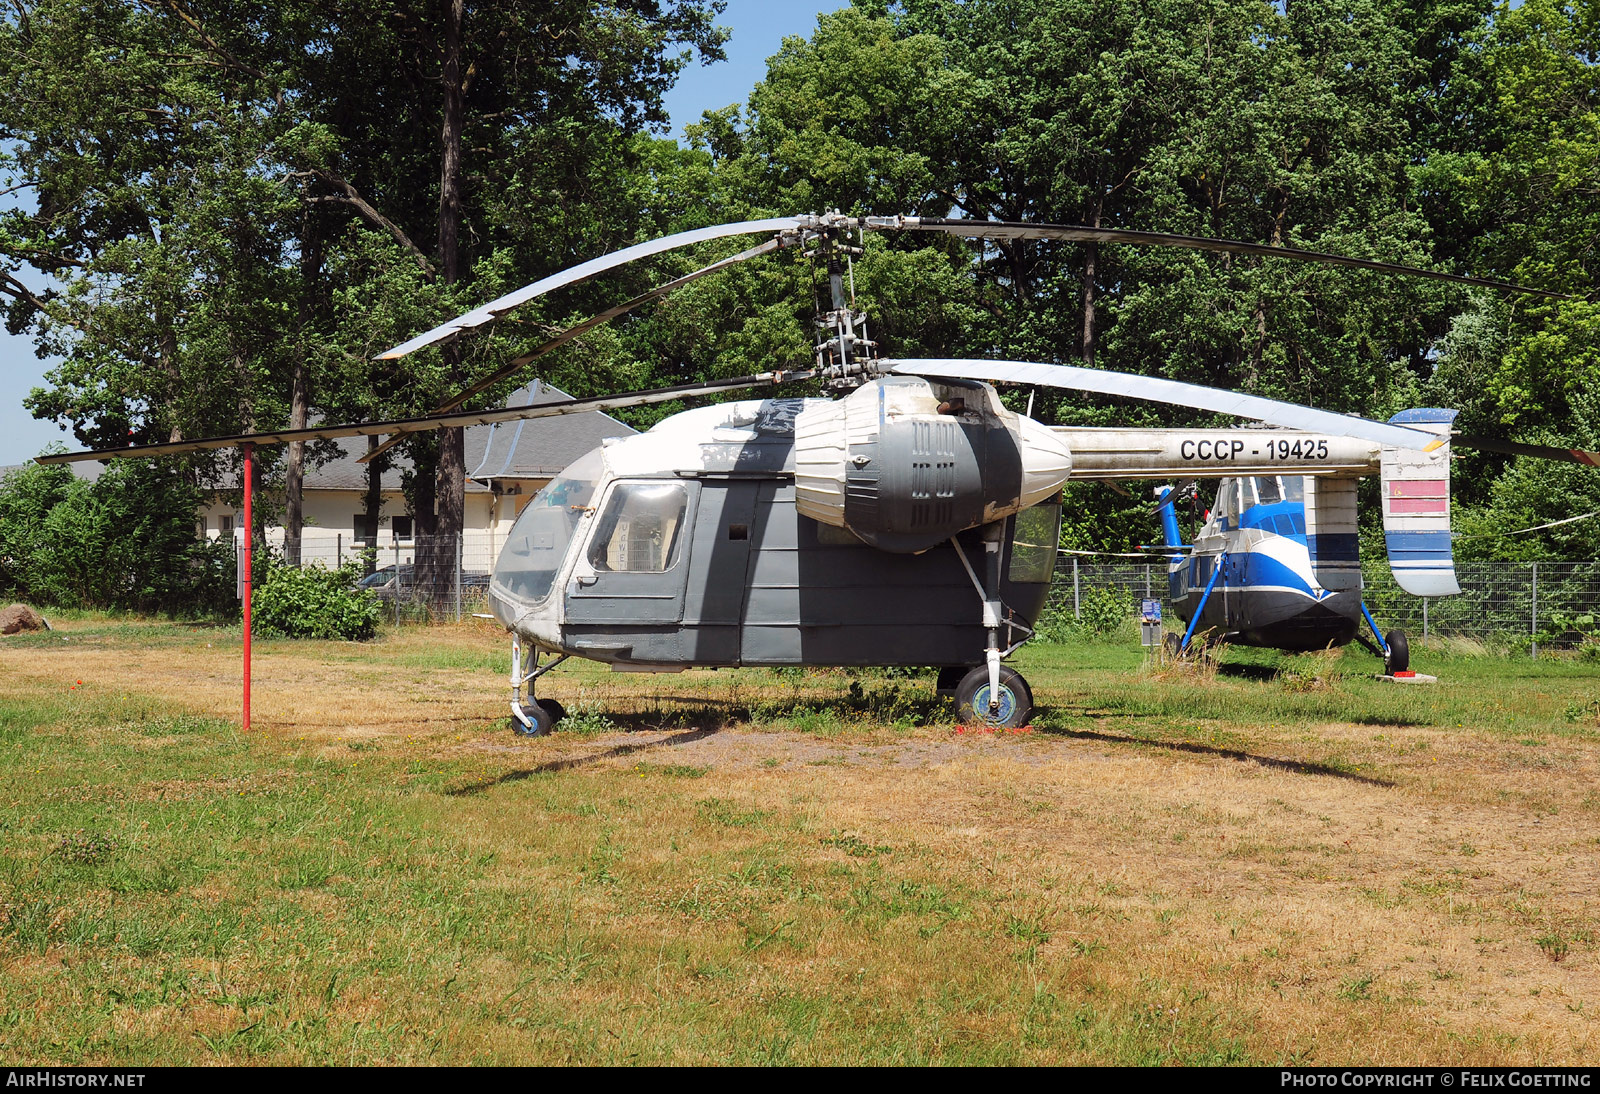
(912, 522)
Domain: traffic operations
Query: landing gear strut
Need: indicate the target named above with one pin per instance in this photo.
(531, 717)
(993, 694)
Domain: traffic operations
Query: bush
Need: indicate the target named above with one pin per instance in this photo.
(124, 542)
(313, 602)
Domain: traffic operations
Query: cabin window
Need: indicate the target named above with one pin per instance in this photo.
(1267, 490)
(638, 531)
(538, 543)
(1033, 543)
(1294, 488)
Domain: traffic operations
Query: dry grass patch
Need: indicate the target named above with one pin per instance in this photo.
(798, 867)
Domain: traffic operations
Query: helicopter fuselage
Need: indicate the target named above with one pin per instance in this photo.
(683, 547)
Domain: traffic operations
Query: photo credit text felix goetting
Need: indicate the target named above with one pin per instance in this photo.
(1439, 1078)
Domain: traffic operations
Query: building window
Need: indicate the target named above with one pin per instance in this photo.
(225, 524)
(402, 527)
(364, 530)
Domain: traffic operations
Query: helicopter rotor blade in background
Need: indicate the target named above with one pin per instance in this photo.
(1153, 389)
(584, 271)
(582, 328)
(1074, 233)
(1536, 451)
(438, 421)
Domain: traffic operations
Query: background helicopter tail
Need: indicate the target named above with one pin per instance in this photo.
(1416, 507)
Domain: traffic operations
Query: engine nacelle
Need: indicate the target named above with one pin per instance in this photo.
(905, 463)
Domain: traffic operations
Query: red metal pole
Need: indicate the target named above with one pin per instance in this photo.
(249, 535)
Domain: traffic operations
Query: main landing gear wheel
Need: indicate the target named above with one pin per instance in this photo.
(1399, 659)
(1015, 700)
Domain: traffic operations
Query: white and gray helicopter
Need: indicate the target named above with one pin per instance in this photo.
(912, 521)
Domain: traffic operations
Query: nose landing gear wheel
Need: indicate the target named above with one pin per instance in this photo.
(543, 721)
(1015, 701)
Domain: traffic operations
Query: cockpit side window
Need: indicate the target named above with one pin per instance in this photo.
(1225, 499)
(639, 530)
(1267, 490)
(538, 543)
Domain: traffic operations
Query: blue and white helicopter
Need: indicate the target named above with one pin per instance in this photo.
(1276, 562)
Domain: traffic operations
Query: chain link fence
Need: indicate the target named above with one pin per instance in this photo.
(1522, 605)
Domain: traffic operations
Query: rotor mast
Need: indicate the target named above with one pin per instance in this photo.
(844, 352)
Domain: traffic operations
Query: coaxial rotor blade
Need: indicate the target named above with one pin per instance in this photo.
(582, 328)
(1156, 390)
(437, 421)
(491, 311)
(1074, 233)
(1537, 451)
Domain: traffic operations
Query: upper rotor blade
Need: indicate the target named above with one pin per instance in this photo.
(435, 421)
(573, 332)
(1292, 415)
(1074, 233)
(477, 317)
(1537, 451)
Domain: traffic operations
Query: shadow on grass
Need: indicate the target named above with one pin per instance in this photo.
(1299, 767)
(1248, 672)
(571, 762)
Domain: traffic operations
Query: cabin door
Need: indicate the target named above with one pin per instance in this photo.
(635, 562)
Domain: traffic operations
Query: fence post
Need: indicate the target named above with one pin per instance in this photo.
(338, 550)
(1147, 581)
(458, 576)
(1424, 618)
(1534, 624)
(1075, 612)
(395, 540)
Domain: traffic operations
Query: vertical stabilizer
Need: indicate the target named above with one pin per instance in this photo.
(1416, 508)
(1332, 534)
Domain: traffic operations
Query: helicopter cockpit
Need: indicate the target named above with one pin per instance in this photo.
(537, 546)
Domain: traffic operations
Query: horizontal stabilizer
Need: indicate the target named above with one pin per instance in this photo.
(1416, 508)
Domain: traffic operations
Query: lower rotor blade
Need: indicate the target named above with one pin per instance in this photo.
(1156, 390)
(587, 325)
(1075, 233)
(1536, 451)
(437, 421)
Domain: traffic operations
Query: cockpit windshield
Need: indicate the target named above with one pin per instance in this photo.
(538, 543)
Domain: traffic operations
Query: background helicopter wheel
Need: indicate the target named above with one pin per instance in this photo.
(557, 711)
(1399, 658)
(972, 699)
(540, 717)
(1173, 642)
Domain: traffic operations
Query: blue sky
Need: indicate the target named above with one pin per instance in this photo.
(758, 30)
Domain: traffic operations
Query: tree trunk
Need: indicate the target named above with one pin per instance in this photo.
(1091, 260)
(294, 473)
(369, 557)
(450, 489)
(300, 389)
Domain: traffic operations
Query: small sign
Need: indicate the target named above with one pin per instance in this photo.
(1150, 622)
(238, 569)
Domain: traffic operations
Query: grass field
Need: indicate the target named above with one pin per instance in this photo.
(1282, 861)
